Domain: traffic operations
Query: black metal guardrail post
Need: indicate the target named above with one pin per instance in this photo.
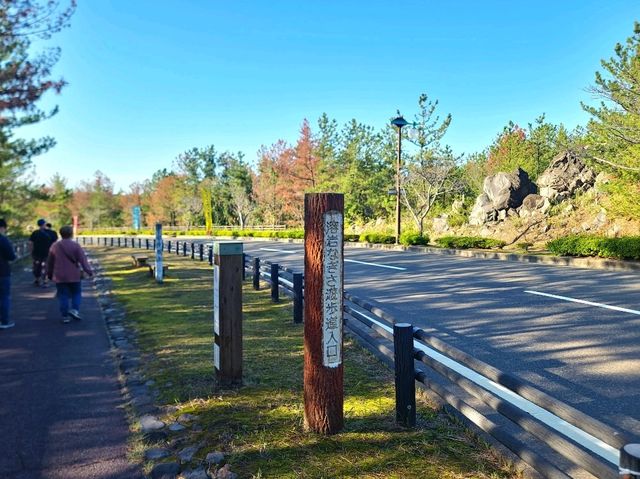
(630, 461)
(201, 252)
(275, 282)
(298, 305)
(184, 248)
(178, 247)
(140, 243)
(112, 241)
(211, 255)
(256, 273)
(404, 374)
(119, 241)
(154, 244)
(146, 243)
(193, 250)
(169, 246)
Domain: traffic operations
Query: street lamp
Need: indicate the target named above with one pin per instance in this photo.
(399, 122)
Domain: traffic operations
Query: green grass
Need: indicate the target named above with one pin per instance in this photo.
(260, 425)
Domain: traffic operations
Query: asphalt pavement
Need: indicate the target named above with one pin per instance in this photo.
(573, 333)
(60, 406)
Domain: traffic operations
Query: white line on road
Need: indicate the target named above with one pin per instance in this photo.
(375, 264)
(582, 301)
(279, 250)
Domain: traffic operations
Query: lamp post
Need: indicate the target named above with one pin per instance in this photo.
(399, 122)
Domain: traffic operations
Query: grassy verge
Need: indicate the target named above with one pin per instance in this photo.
(260, 426)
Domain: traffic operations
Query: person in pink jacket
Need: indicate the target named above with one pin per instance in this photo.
(65, 264)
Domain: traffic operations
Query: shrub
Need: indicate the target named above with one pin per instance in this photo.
(465, 242)
(590, 245)
(377, 238)
(351, 238)
(411, 239)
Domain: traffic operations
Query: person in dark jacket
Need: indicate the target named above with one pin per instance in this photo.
(65, 264)
(39, 244)
(7, 254)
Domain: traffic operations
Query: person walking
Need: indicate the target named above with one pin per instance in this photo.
(65, 264)
(7, 254)
(53, 237)
(39, 244)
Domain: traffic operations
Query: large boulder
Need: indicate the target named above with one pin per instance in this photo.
(508, 190)
(564, 176)
(483, 211)
(534, 205)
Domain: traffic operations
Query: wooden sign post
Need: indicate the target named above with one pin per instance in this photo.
(227, 312)
(158, 244)
(323, 270)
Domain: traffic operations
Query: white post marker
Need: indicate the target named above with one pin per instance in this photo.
(332, 290)
(159, 271)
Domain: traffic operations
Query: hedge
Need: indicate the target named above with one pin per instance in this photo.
(465, 242)
(627, 247)
(413, 239)
(377, 238)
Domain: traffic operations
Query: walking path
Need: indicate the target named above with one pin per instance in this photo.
(61, 410)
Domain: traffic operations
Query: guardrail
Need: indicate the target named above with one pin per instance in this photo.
(466, 384)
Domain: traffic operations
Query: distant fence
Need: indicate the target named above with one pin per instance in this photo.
(172, 229)
(565, 438)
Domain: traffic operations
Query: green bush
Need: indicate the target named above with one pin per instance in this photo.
(590, 245)
(465, 242)
(377, 238)
(351, 238)
(411, 239)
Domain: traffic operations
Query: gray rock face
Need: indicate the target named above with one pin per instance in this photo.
(199, 473)
(483, 211)
(156, 453)
(534, 205)
(167, 470)
(502, 194)
(187, 453)
(150, 423)
(508, 190)
(565, 175)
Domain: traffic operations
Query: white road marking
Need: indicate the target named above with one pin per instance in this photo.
(375, 264)
(576, 434)
(582, 301)
(279, 250)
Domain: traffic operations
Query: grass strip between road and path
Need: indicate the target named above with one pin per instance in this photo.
(260, 425)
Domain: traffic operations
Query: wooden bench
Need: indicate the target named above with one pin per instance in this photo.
(139, 260)
(152, 270)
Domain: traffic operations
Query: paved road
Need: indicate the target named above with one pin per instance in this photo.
(60, 407)
(585, 355)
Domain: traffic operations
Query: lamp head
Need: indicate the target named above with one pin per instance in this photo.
(399, 122)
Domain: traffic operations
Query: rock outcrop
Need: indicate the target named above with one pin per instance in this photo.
(534, 205)
(502, 194)
(566, 175)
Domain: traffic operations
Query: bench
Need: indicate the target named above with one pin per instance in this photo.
(152, 270)
(139, 260)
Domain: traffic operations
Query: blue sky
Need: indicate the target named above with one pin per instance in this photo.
(149, 79)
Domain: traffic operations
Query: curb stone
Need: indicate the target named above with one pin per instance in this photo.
(140, 393)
